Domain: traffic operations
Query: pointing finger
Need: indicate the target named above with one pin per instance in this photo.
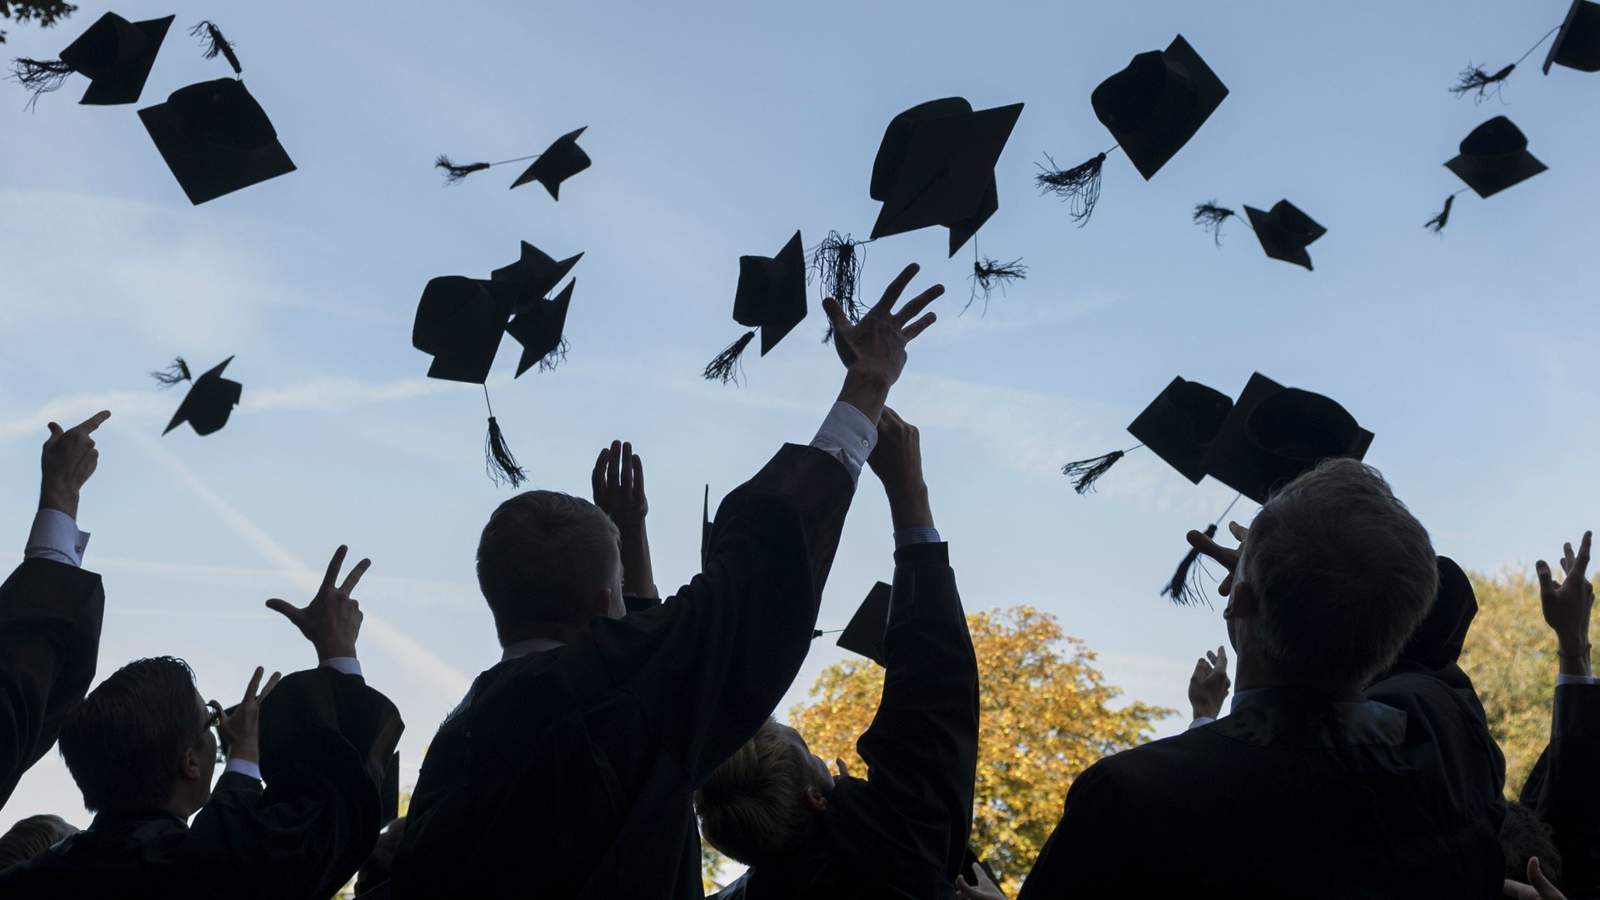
(95, 421)
(255, 682)
(1581, 564)
(333, 568)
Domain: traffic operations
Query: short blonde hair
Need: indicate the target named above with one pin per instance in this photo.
(752, 807)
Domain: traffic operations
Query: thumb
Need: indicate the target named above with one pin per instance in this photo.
(55, 430)
(1542, 568)
(285, 608)
(1536, 877)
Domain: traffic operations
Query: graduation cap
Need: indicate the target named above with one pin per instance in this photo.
(216, 139)
(114, 54)
(1577, 43)
(535, 270)
(560, 161)
(1178, 426)
(1285, 232)
(1274, 433)
(210, 400)
(1152, 107)
(537, 327)
(1493, 157)
(865, 633)
(935, 166)
(770, 298)
(705, 529)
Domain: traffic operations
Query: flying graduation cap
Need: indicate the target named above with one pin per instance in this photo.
(1152, 107)
(770, 298)
(210, 400)
(1284, 230)
(460, 322)
(114, 54)
(213, 135)
(1576, 46)
(560, 161)
(1493, 157)
(1178, 426)
(865, 632)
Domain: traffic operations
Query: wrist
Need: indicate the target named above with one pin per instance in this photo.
(60, 499)
(866, 392)
(335, 651)
(908, 508)
(245, 752)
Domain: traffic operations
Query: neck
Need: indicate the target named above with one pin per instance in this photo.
(565, 632)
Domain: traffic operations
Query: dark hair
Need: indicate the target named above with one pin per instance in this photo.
(542, 556)
(31, 837)
(123, 742)
(380, 865)
(1342, 573)
(1523, 835)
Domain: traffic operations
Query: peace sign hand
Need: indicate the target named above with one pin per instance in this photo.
(239, 731)
(332, 620)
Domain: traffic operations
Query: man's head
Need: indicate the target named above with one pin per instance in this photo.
(1334, 576)
(140, 741)
(548, 563)
(765, 798)
(31, 837)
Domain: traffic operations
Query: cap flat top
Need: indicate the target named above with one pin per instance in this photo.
(560, 161)
(939, 169)
(1577, 43)
(1156, 103)
(1274, 434)
(771, 294)
(460, 322)
(116, 56)
(1181, 423)
(864, 634)
(210, 401)
(1284, 232)
(216, 139)
(1493, 157)
(538, 327)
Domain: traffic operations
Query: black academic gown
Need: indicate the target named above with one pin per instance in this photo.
(901, 832)
(1292, 795)
(49, 639)
(570, 772)
(324, 737)
(1564, 787)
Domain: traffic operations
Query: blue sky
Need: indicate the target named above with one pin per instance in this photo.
(717, 129)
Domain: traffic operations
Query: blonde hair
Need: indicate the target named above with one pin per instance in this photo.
(753, 807)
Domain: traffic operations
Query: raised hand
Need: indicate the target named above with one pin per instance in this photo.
(68, 460)
(1567, 605)
(897, 461)
(1228, 557)
(1209, 684)
(873, 350)
(332, 620)
(240, 731)
(618, 483)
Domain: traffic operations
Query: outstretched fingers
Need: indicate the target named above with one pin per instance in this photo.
(891, 294)
(334, 565)
(917, 304)
(354, 578)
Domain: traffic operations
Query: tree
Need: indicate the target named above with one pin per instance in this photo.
(1045, 714)
(1511, 655)
(45, 12)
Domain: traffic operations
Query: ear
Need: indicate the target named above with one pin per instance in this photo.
(1241, 602)
(816, 799)
(192, 766)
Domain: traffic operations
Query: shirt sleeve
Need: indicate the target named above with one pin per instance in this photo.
(55, 536)
(1200, 721)
(848, 436)
(244, 767)
(349, 665)
(905, 537)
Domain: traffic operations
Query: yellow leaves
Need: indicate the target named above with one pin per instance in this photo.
(1044, 718)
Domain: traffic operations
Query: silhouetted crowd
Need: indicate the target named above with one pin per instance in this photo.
(618, 730)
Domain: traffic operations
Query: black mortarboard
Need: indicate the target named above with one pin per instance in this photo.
(536, 271)
(865, 633)
(935, 166)
(561, 161)
(705, 529)
(1180, 424)
(1274, 433)
(1285, 232)
(1494, 157)
(216, 139)
(210, 400)
(537, 327)
(1577, 44)
(771, 298)
(1157, 103)
(459, 323)
(116, 56)
(390, 799)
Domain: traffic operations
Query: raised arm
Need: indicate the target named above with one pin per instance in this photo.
(618, 485)
(50, 609)
(922, 747)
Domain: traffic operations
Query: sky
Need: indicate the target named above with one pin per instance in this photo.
(716, 130)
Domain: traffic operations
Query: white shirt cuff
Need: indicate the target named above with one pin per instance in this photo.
(1564, 679)
(905, 537)
(1199, 721)
(848, 436)
(56, 536)
(349, 665)
(243, 767)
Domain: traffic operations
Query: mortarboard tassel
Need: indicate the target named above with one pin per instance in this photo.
(1437, 223)
(1183, 590)
(837, 261)
(176, 371)
(1473, 79)
(1079, 185)
(497, 459)
(988, 274)
(1085, 472)
(216, 45)
(1210, 216)
(557, 356)
(39, 75)
(725, 367)
(454, 173)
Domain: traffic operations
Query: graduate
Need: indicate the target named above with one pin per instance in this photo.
(141, 749)
(902, 830)
(50, 610)
(568, 769)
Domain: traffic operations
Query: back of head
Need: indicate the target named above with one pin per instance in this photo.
(752, 808)
(1524, 835)
(543, 558)
(380, 864)
(31, 837)
(1341, 573)
(124, 742)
